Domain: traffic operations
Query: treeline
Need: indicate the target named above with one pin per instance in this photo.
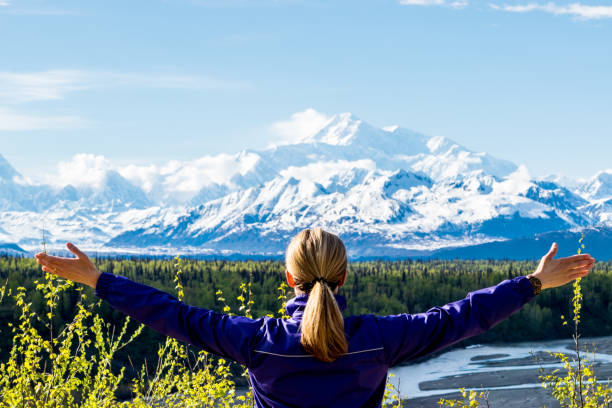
(378, 287)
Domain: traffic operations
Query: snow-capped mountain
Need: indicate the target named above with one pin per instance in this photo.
(386, 191)
(599, 187)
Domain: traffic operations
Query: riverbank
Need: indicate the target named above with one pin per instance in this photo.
(510, 373)
(534, 397)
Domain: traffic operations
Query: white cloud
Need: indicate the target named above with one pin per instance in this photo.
(4, 3)
(22, 87)
(174, 180)
(13, 121)
(163, 80)
(39, 86)
(301, 126)
(18, 87)
(181, 180)
(146, 177)
(83, 170)
(191, 176)
(459, 4)
(578, 10)
(37, 11)
(518, 181)
(55, 84)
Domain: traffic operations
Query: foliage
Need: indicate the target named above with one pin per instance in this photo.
(576, 385)
(61, 370)
(68, 349)
(471, 399)
(573, 386)
(74, 368)
(378, 287)
(392, 396)
(184, 380)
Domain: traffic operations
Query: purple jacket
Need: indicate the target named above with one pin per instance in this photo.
(283, 374)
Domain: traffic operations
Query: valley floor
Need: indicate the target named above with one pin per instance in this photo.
(512, 379)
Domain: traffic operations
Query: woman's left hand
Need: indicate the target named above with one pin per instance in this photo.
(79, 269)
(558, 272)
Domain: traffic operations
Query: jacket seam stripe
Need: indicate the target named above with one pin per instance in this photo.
(308, 355)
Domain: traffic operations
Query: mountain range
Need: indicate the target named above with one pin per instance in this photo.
(388, 192)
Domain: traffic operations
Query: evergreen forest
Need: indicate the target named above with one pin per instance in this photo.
(377, 287)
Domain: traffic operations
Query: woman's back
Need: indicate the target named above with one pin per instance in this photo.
(283, 373)
(318, 358)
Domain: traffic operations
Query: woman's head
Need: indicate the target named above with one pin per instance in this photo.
(316, 264)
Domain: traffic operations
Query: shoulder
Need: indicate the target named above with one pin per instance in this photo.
(363, 331)
(278, 337)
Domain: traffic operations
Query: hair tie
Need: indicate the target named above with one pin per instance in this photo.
(307, 287)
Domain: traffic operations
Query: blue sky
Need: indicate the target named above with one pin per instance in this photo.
(150, 81)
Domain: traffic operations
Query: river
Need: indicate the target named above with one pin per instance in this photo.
(503, 369)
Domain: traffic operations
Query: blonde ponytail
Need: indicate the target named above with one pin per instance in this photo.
(317, 261)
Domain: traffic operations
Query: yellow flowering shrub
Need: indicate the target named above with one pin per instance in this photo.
(72, 368)
(573, 386)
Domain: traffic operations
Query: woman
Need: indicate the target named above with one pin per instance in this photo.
(317, 357)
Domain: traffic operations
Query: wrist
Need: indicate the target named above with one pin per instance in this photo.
(93, 280)
(536, 284)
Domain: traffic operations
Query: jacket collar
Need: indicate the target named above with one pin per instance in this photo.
(295, 307)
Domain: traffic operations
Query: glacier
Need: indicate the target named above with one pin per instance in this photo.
(388, 192)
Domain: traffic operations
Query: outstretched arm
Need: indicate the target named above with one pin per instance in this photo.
(408, 336)
(227, 336)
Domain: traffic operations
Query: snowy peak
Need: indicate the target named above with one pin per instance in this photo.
(7, 172)
(599, 187)
(338, 131)
(558, 198)
(386, 190)
(117, 191)
(112, 193)
(346, 130)
(68, 193)
(394, 147)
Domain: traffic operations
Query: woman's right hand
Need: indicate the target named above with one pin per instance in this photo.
(558, 272)
(79, 269)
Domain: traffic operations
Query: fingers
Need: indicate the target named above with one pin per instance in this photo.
(552, 252)
(56, 261)
(44, 258)
(582, 265)
(51, 269)
(576, 258)
(79, 269)
(572, 263)
(51, 266)
(580, 274)
(76, 251)
(52, 263)
(582, 270)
